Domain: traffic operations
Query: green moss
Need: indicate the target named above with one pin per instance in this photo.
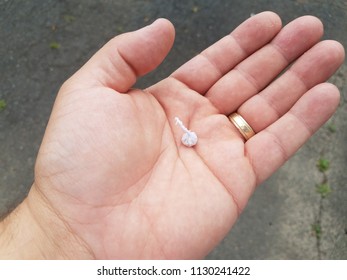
(69, 18)
(54, 45)
(2, 104)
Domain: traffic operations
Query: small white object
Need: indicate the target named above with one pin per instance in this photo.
(189, 138)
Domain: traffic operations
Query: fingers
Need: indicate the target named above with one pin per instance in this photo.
(314, 67)
(271, 147)
(201, 72)
(127, 56)
(258, 70)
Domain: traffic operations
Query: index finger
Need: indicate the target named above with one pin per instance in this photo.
(205, 69)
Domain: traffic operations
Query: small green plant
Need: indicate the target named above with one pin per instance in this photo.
(2, 104)
(332, 127)
(317, 230)
(323, 189)
(69, 18)
(54, 45)
(323, 164)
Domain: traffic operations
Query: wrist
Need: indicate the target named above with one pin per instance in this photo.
(34, 231)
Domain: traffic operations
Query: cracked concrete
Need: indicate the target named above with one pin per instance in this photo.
(277, 222)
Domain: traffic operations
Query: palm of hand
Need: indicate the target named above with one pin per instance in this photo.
(113, 167)
(132, 183)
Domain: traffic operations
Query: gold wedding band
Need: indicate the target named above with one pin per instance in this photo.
(240, 123)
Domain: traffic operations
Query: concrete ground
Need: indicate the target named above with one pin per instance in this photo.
(44, 41)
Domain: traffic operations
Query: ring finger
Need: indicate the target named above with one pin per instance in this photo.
(313, 68)
(254, 73)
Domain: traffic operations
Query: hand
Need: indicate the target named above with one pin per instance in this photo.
(112, 178)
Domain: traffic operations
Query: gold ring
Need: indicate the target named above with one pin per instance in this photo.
(240, 123)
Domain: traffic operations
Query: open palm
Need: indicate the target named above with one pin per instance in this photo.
(112, 166)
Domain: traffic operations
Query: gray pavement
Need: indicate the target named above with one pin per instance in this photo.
(44, 41)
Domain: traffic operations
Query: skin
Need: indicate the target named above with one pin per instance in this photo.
(112, 178)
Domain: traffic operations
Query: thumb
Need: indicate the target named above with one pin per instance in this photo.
(125, 57)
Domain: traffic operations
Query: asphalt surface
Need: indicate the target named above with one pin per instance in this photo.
(43, 42)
